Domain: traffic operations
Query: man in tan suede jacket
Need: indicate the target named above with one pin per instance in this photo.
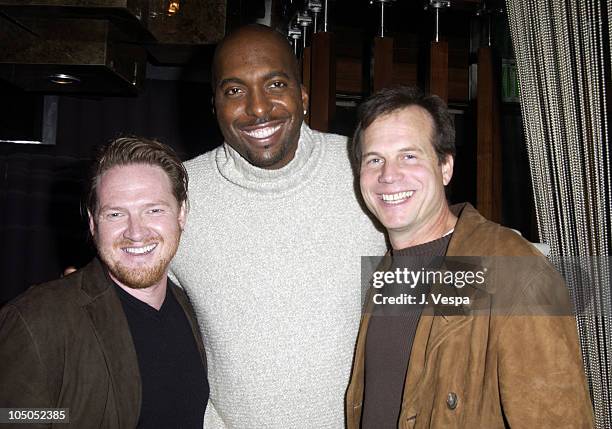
(501, 352)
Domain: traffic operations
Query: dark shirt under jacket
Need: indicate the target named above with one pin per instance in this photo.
(390, 337)
(174, 385)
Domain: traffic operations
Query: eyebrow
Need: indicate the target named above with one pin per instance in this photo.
(119, 208)
(228, 81)
(405, 149)
(268, 76)
(274, 74)
(365, 155)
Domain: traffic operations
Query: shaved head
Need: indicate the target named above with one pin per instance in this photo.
(254, 35)
(259, 101)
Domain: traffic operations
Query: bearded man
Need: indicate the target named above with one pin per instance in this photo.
(115, 344)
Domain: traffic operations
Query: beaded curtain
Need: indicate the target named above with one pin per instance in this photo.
(562, 51)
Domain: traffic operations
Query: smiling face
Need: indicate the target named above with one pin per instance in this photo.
(401, 179)
(258, 98)
(137, 225)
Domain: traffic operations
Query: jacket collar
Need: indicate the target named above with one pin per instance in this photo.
(472, 243)
(467, 228)
(107, 317)
(104, 308)
(181, 297)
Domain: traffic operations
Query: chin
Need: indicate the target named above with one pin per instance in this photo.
(267, 159)
(142, 277)
(394, 224)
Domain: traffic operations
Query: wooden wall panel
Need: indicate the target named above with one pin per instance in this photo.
(488, 153)
(349, 75)
(382, 73)
(404, 74)
(323, 81)
(438, 70)
(306, 73)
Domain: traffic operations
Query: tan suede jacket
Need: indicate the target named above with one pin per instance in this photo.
(67, 344)
(515, 362)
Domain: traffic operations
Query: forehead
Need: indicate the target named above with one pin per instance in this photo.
(134, 181)
(253, 54)
(412, 125)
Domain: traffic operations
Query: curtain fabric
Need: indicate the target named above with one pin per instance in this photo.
(562, 49)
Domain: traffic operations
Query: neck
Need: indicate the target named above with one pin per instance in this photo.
(237, 170)
(430, 231)
(153, 295)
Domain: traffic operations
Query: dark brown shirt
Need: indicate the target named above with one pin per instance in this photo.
(390, 336)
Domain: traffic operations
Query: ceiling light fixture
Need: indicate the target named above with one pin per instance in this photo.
(63, 79)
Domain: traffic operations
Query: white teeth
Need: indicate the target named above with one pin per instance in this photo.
(397, 198)
(262, 133)
(140, 250)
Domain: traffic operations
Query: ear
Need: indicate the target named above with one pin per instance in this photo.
(182, 216)
(92, 224)
(447, 169)
(304, 98)
(212, 105)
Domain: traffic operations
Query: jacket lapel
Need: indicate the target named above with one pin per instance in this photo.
(435, 325)
(354, 393)
(195, 328)
(113, 333)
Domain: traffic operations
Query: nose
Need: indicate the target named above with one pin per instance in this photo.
(390, 173)
(259, 105)
(135, 230)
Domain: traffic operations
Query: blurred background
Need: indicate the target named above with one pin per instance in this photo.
(75, 74)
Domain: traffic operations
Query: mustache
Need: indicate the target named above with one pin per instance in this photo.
(256, 122)
(130, 243)
(260, 121)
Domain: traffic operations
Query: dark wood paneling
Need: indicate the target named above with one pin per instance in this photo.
(438, 69)
(323, 81)
(382, 74)
(349, 76)
(489, 191)
(306, 73)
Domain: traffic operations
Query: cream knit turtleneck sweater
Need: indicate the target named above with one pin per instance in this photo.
(271, 262)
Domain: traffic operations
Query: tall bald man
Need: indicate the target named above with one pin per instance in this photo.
(271, 255)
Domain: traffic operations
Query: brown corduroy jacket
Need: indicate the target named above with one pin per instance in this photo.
(67, 344)
(510, 358)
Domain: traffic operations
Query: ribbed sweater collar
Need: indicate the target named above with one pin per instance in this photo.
(233, 167)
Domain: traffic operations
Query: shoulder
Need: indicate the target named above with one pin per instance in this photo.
(335, 144)
(41, 313)
(523, 280)
(201, 172)
(177, 290)
(41, 296)
(201, 163)
(42, 303)
(332, 139)
(506, 242)
(334, 158)
(477, 236)
(56, 300)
